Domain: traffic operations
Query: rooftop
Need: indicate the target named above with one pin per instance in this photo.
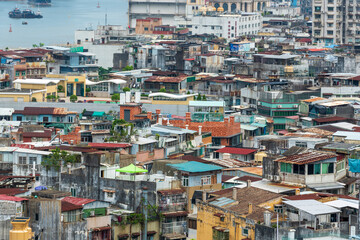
(11, 198)
(238, 151)
(194, 167)
(312, 207)
(78, 201)
(308, 157)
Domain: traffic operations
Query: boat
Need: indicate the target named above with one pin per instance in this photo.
(27, 13)
(24, 23)
(40, 2)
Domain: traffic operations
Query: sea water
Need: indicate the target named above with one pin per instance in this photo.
(59, 21)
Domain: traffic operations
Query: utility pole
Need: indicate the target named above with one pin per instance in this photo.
(145, 212)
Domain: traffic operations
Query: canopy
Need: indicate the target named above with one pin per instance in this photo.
(131, 169)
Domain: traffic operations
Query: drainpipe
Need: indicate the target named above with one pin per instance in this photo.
(144, 233)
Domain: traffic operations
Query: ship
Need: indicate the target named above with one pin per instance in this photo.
(40, 2)
(27, 13)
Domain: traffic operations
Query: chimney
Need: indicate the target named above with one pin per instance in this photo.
(149, 115)
(187, 126)
(226, 120)
(250, 208)
(232, 120)
(267, 218)
(234, 193)
(249, 183)
(188, 115)
(157, 111)
(168, 122)
(159, 116)
(204, 196)
(297, 191)
(200, 127)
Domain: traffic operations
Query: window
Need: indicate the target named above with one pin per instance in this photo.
(192, 224)
(73, 192)
(110, 194)
(340, 166)
(330, 32)
(278, 208)
(314, 169)
(245, 232)
(146, 29)
(32, 160)
(301, 144)
(185, 181)
(285, 167)
(299, 169)
(327, 168)
(206, 180)
(36, 217)
(333, 217)
(330, 9)
(1, 157)
(22, 160)
(330, 16)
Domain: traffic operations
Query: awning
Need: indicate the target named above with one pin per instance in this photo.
(255, 124)
(326, 186)
(98, 114)
(131, 169)
(248, 127)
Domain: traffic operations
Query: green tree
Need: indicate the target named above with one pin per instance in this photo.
(188, 92)
(73, 98)
(126, 89)
(162, 90)
(198, 97)
(60, 88)
(204, 97)
(88, 89)
(128, 68)
(115, 97)
(57, 157)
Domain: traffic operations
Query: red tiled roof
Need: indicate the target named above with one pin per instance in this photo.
(99, 229)
(225, 178)
(11, 191)
(109, 145)
(239, 151)
(11, 198)
(67, 206)
(308, 40)
(329, 119)
(78, 201)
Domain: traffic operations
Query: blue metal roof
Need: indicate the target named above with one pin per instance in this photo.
(222, 201)
(195, 167)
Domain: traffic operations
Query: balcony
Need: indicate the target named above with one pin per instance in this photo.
(179, 227)
(173, 207)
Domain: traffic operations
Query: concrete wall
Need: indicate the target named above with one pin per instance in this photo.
(74, 231)
(5, 226)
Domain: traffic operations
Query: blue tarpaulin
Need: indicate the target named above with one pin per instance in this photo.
(39, 188)
(354, 165)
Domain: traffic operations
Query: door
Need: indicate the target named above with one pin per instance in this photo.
(70, 89)
(127, 115)
(79, 89)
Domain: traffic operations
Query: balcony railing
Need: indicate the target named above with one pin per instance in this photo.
(179, 227)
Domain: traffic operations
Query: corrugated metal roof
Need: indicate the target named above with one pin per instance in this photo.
(312, 207)
(222, 201)
(348, 135)
(343, 203)
(195, 167)
(78, 201)
(11, 198)
(109, 145)
(308, 157)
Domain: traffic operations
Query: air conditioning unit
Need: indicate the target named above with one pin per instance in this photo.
(270, 177)
(277, 178)
(278, 106)
(295, 106)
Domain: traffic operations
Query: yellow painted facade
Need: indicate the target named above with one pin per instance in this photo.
(50, 89)
(24, 97)
(71, 80)
(210, 217)
(190, 191)
(153, 226)
(173, 102)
